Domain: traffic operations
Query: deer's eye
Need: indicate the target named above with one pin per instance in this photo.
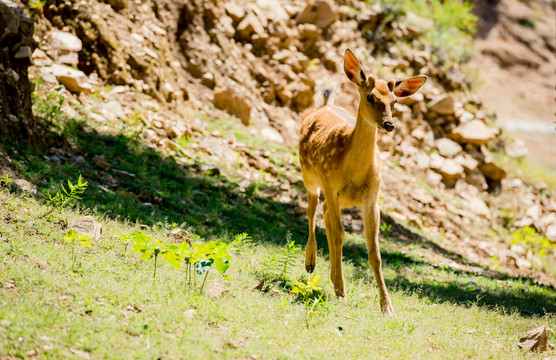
(371, 99)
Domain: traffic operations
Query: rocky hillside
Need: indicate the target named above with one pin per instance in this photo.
(225, 81)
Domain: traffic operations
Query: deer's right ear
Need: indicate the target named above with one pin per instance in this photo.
(353, 69)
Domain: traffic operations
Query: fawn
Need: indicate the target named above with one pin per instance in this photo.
(339, 155)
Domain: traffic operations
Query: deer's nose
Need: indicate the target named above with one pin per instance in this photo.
(388, 126)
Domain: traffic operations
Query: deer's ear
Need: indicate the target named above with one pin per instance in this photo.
(409, 86)
(353, 69)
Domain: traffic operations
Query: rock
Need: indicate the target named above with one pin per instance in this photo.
(492, 171)
(447, 147)
(479, 207)
(272, 134)
(444, 105)
(249, 26)
(100, 162)
(178, 130)
(303, 98)
(473, 132)
(10, 18)
(208, 80)
(319, 12)
(24, 52)
(516, 149)
(433, 179)
(467, 161)
(60, 40)
(74, 80)
(477, 179)
(234, 104)
(26, 186)
(536, 340)
(88, 226)
(451, 171)
(112, 110)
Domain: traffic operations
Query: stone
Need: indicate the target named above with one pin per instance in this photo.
(535, 340)
(492, 171)
(447, 147)
(319, 12)
(10, 17)
(61, 40)
(234, 104)
(451, 171)
(477, 179)
(272, 134)
(303, 98)
(208, 80)
(467, 161)
(24, 52)
(249, 26)
(433, 179)
(112, 110)
(178, 130)
(100, 162)
(74, 80)
(515, 149)
(444, 105)
(473, 132)
(88, 226)
(479, 207)
(26, 186)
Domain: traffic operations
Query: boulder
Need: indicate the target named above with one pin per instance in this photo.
(447, 147)
(74, 80)
(474, 132)
(234, 104)
(10, 17)
(444, 105)
(60, 40)
(319, 12)
(26, 186)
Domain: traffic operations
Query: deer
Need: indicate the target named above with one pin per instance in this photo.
(339, 155)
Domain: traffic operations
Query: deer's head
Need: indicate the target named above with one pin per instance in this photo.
(378, 96)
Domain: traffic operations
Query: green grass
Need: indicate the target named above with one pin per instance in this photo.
(108, 307)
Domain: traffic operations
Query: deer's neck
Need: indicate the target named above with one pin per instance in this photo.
(363, 149)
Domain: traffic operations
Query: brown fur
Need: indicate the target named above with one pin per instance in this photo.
(339, 155)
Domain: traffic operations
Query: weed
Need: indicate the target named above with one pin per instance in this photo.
(313, 305)
(385, 229)
(64, 197)
(6, 181)
(528, 237)
(73, 237)
(49, 106)
(278, 266)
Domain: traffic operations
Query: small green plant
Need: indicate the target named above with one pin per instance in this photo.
(145, 245)
(49, 106)
(278, 266)
(74, 238)
(35, 4)
(529, 238)
(6, 181)
(199, 258)
(307, 290)
(64, 197)
(385, 229)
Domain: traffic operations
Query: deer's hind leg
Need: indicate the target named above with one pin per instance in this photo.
(311, 248)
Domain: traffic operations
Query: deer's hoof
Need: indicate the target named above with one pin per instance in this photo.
(310, 268)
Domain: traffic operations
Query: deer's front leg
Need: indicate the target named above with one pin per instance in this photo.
(311, 248)
(371, 216)
(335, 236)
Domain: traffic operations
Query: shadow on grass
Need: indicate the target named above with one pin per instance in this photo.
(154, 189)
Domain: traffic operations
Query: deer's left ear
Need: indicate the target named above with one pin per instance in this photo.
(409, 86)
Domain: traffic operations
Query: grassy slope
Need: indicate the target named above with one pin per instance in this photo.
(110, 308)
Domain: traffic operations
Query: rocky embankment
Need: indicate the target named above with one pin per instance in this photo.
(176, 67)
